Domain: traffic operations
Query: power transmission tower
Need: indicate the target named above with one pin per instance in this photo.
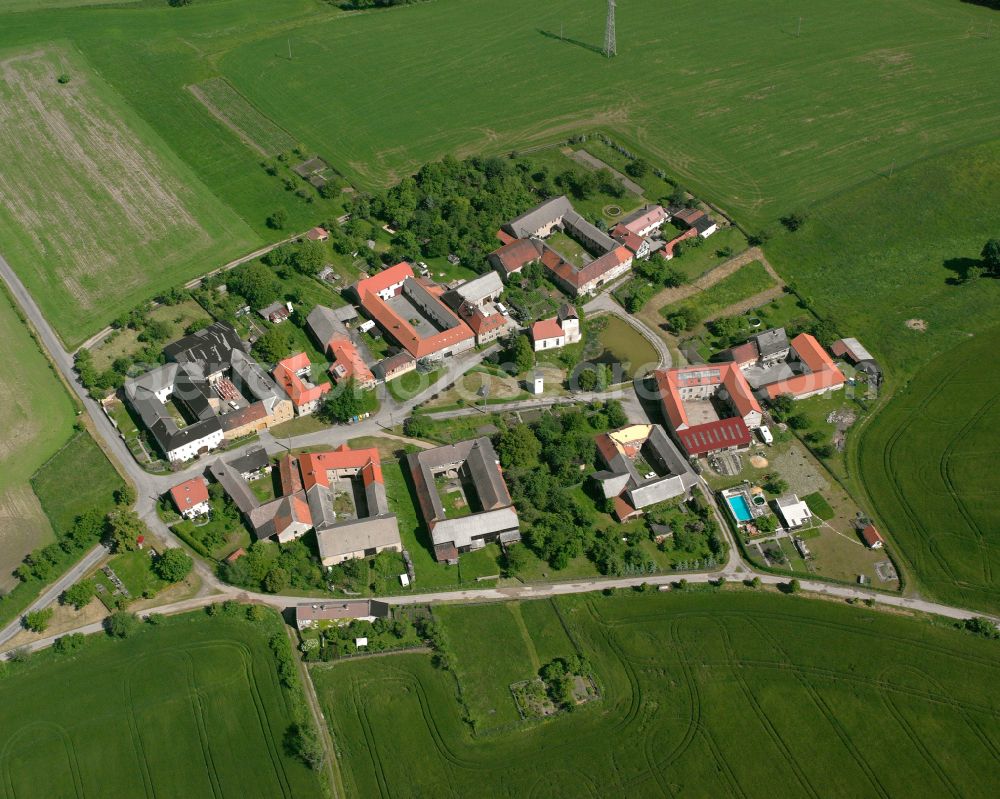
(610, 43)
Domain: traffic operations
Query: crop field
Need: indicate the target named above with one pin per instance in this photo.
(743, 109)
(235, 111)
(190, 708)
(96, 212)
(928, 463)
(35, 420)
(701, 694)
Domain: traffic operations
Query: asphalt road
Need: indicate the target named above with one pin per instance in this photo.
(150, 487)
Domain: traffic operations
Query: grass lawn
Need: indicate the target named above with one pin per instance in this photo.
(741, 284)
(785, 311)
(685, 681)
(125, 342)
(409, 385)
(36, 417)
(570, 249)
(135, 570)
(299, 426)
(81, 456)
(136, 202)
(818, 505)
(927, 463)
(696, 261)
(416, 540)
(194, 706)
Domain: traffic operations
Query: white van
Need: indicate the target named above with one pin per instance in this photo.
(765, 434)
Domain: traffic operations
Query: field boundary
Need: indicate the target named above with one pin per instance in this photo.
(198, 91)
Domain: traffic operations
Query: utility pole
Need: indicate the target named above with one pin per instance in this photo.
(798, 30)
(892, 167)
(289, 49)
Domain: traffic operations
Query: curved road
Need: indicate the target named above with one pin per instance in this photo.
(150, 487)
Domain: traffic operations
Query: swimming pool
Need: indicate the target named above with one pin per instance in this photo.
(741, 510)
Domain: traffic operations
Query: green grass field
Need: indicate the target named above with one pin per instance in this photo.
(36, 417)
(134, 205)
(701, 694)
(82, 466)
(897, 249)
(742, 284)
(927, 463)
(190, 708)
(741, 108)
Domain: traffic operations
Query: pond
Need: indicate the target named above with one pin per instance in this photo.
(620, 343)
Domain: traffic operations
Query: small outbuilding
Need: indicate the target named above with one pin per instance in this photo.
(872, 537)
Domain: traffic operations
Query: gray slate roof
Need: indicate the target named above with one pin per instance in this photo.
(377, 532)
(213, 345)
(771, 342)
(479, 459)
(254, 460)
(235, 486)
(478, 289)
(541, 215)
(325, 322)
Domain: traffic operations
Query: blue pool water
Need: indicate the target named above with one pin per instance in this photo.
(740, 508)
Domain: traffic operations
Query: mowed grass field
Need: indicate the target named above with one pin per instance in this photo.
(703, 694)
(97, 213)
(191, 708)
(898, 249)
(36, 418)
(745, 111)
(928, 462)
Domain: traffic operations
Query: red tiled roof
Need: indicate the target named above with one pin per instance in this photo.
(295, 510)
(403, 332)
(823, 374)
(656, 215)
(505, 237)
(546, 328)
(317, 234)
(251, 413)
(515, 254)
(623, 510)
(286, 377)
(811, 353)
(711, 436)
(606, 447)
(745, 352)
(289, 475)
(669, 382)
(382, 280)
(689, 215)
(668, 248)
(315, 465)
(347, 362)
(627, 237)
(235, 555)
(190, 493)
(871, 536)
(480, 322)
(592, 271)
